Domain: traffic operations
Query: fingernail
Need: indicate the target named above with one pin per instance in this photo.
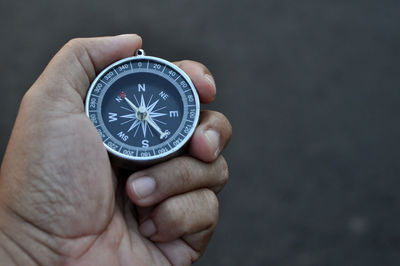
(210, 79)
(147, 228)
(143, 186)
(212, 137)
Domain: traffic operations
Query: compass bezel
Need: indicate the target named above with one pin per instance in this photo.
(155, 157)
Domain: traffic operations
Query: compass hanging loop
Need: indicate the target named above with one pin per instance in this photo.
(140, 52)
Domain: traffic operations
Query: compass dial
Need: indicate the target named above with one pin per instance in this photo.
(144, 108)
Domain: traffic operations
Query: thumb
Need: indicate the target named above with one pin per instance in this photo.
(70, 72)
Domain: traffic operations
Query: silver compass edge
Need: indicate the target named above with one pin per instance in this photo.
(158, 157)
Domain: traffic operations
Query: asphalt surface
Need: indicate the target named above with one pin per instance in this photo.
(311, 89)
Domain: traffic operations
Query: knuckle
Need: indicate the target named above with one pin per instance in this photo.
(78, 51)
(76, 47)
(74, 43)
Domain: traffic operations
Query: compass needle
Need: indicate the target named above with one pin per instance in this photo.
(131, 104)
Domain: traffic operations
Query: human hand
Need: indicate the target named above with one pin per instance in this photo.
(61, 201)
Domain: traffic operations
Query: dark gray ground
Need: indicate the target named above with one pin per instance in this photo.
(312, 91)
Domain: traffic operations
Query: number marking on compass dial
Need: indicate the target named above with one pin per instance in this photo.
(143, 107)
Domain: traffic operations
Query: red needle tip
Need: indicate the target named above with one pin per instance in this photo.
(122, 94)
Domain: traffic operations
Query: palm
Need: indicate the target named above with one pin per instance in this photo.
(84, 205)
(96, 201)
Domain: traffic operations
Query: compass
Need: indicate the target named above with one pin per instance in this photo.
(144, 108)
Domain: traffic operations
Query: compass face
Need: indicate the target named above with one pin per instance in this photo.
(144, 108)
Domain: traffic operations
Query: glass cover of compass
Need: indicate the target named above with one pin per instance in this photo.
(144, 108)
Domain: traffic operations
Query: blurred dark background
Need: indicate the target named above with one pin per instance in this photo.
(311, 89)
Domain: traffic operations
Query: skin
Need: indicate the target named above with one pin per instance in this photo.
(62, 202)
